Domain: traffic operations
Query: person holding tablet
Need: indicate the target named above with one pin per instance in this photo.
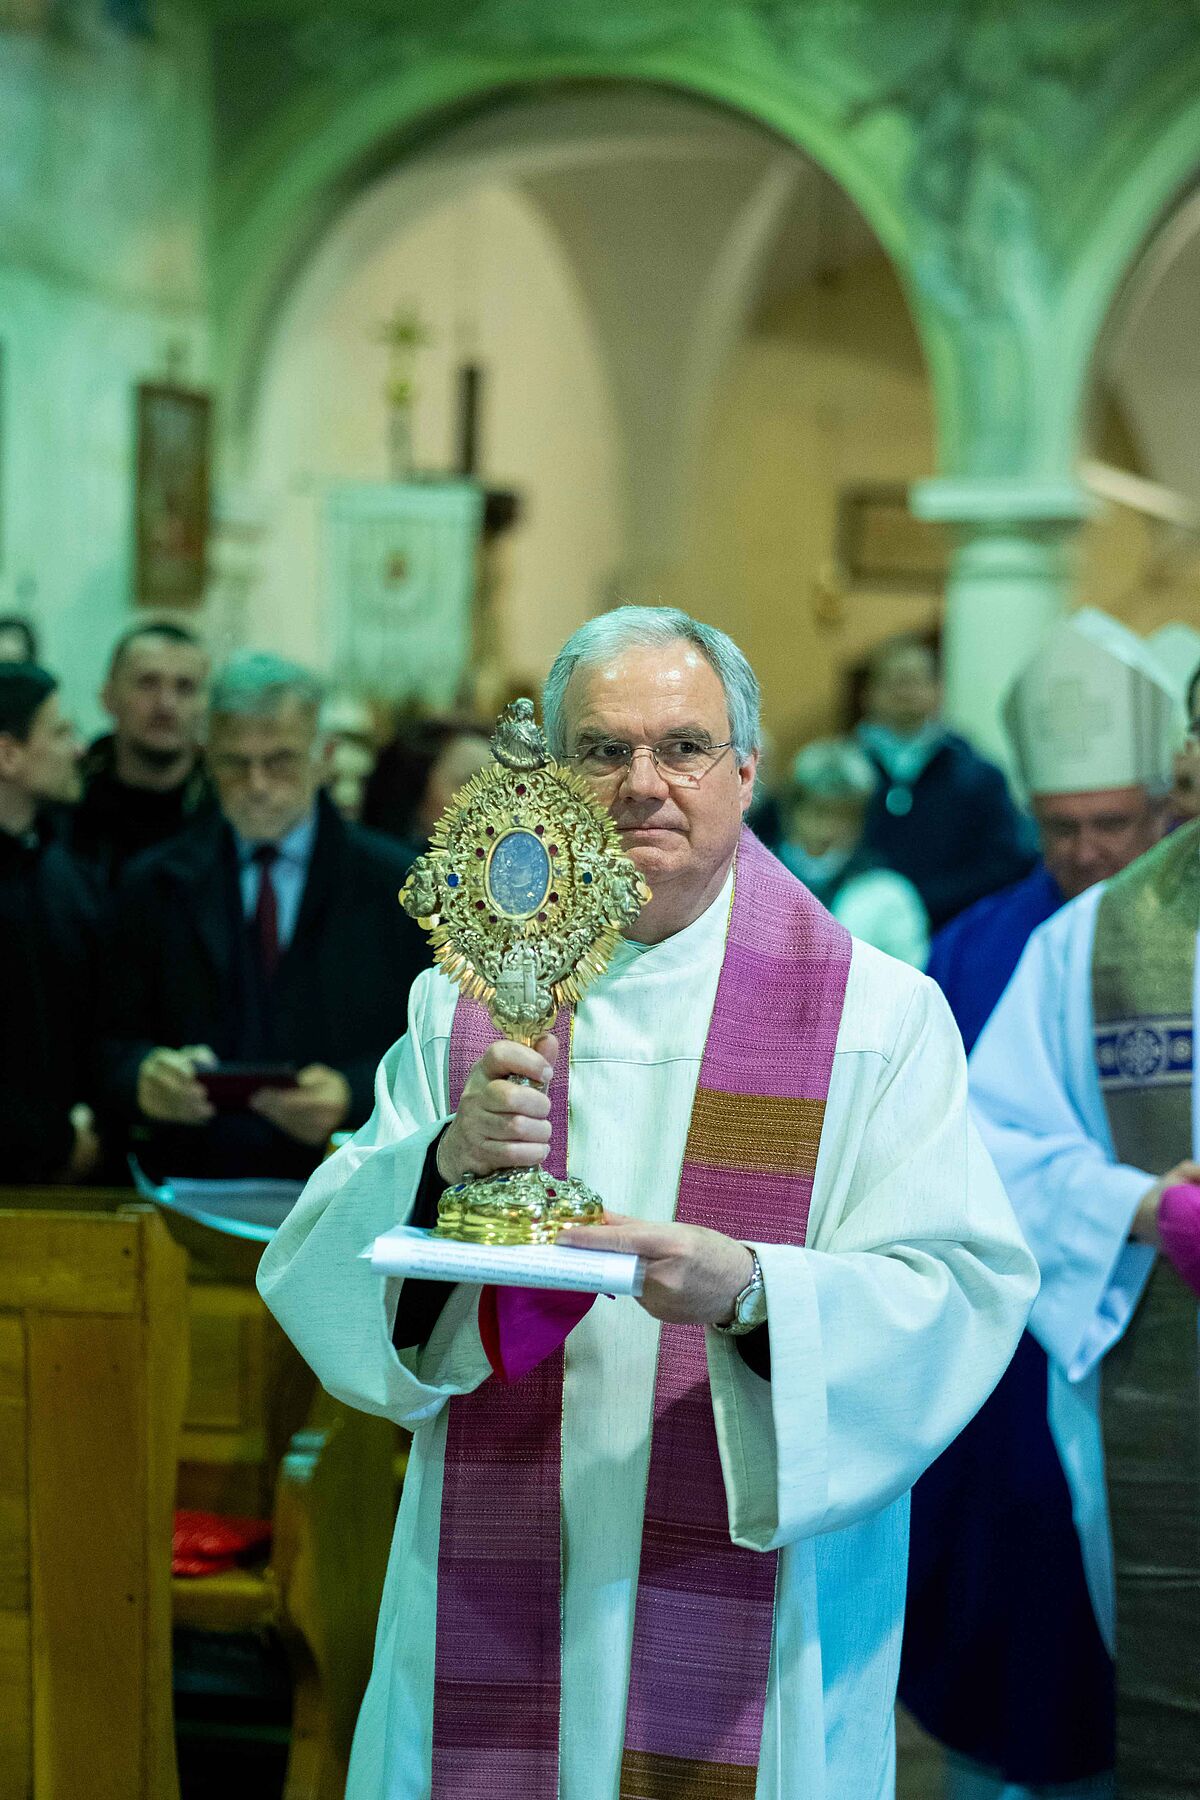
(241, 1024)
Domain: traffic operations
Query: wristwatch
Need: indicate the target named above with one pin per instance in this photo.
(750, 1307)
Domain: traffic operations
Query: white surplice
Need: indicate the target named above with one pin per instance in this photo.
(886, 1335)
(1037, 1099)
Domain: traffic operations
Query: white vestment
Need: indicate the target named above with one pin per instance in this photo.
(1037, 1097)
(886, 1335)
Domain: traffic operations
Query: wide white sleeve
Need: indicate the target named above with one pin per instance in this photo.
(889, 1332)
(336, 1310)
(1041, 1114)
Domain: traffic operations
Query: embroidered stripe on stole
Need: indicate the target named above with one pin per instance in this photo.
(1143, 966)
(498, 1657)
(704, 1614)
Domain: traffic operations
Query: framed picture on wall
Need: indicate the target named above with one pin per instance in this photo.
(881, 545)
(174, 441)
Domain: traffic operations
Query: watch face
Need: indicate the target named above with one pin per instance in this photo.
(752, 1307)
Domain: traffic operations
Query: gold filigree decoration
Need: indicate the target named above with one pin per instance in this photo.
(524, 889)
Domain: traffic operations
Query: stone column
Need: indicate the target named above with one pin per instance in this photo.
(1010, 579)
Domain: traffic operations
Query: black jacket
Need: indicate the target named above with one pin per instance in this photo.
(179, 970)
(961, 837)
(115, 823)
(49, 934)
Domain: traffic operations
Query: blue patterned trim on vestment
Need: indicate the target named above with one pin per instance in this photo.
(1147, 1052)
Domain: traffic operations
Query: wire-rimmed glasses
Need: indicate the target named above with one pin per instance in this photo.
(682, 761)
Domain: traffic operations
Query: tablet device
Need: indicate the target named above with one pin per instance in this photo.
(231, 1086)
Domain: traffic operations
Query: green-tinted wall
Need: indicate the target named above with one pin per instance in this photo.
(104, 189)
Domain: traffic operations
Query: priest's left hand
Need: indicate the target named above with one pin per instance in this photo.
(312, 1110)
(693, 1275)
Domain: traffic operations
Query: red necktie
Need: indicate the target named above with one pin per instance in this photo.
(266, 910)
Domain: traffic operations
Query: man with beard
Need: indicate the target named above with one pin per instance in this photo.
(145, 781)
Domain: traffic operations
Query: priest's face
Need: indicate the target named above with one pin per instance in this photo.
(1091, 837)
(681, 833)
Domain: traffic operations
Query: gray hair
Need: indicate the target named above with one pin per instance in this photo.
(257, 685)
(834, 769)
(629, 627)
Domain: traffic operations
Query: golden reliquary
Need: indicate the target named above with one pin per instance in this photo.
(524, 891)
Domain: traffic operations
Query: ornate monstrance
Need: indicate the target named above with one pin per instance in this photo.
(524, 891)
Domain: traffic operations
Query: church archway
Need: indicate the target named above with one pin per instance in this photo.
(1140, 188)
(1142, 553)
(283, 193)
(710, 235)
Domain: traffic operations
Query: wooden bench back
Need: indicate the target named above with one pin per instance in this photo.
(93, 1356)
(259, 1438)
(248, 1390)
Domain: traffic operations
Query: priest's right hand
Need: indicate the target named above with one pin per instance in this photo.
(501, 1124)
(167, 1088)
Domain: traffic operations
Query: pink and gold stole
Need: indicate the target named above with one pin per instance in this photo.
(705, 1607)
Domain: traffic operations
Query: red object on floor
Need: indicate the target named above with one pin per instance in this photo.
(211, 1543)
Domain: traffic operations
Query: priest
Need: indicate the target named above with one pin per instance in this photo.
(666, 1556)
(1083, 1087)
(1002, 1659)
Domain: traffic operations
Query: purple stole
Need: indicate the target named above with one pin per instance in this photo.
(705, 1607)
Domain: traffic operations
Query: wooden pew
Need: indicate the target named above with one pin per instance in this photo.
(92, 1378)
(260, 1438)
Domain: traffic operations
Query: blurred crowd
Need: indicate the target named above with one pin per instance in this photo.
(186, 904)
(203, 950)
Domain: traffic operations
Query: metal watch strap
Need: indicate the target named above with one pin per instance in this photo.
(736, 1327)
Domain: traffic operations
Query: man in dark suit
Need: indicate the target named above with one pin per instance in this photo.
(271, 935)
(942, 816)
(48, 943)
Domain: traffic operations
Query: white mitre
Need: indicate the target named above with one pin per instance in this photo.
(1093, 710)
(1176, 650)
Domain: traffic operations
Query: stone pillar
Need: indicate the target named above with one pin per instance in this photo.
(1010, 579)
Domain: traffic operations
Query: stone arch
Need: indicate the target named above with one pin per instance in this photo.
(307, 163)
(736, 215)
(1146, 175)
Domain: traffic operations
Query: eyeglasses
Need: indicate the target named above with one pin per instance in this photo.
(681, 761)
(276, 765)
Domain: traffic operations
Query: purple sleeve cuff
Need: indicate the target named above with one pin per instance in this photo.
(1179, 1230)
